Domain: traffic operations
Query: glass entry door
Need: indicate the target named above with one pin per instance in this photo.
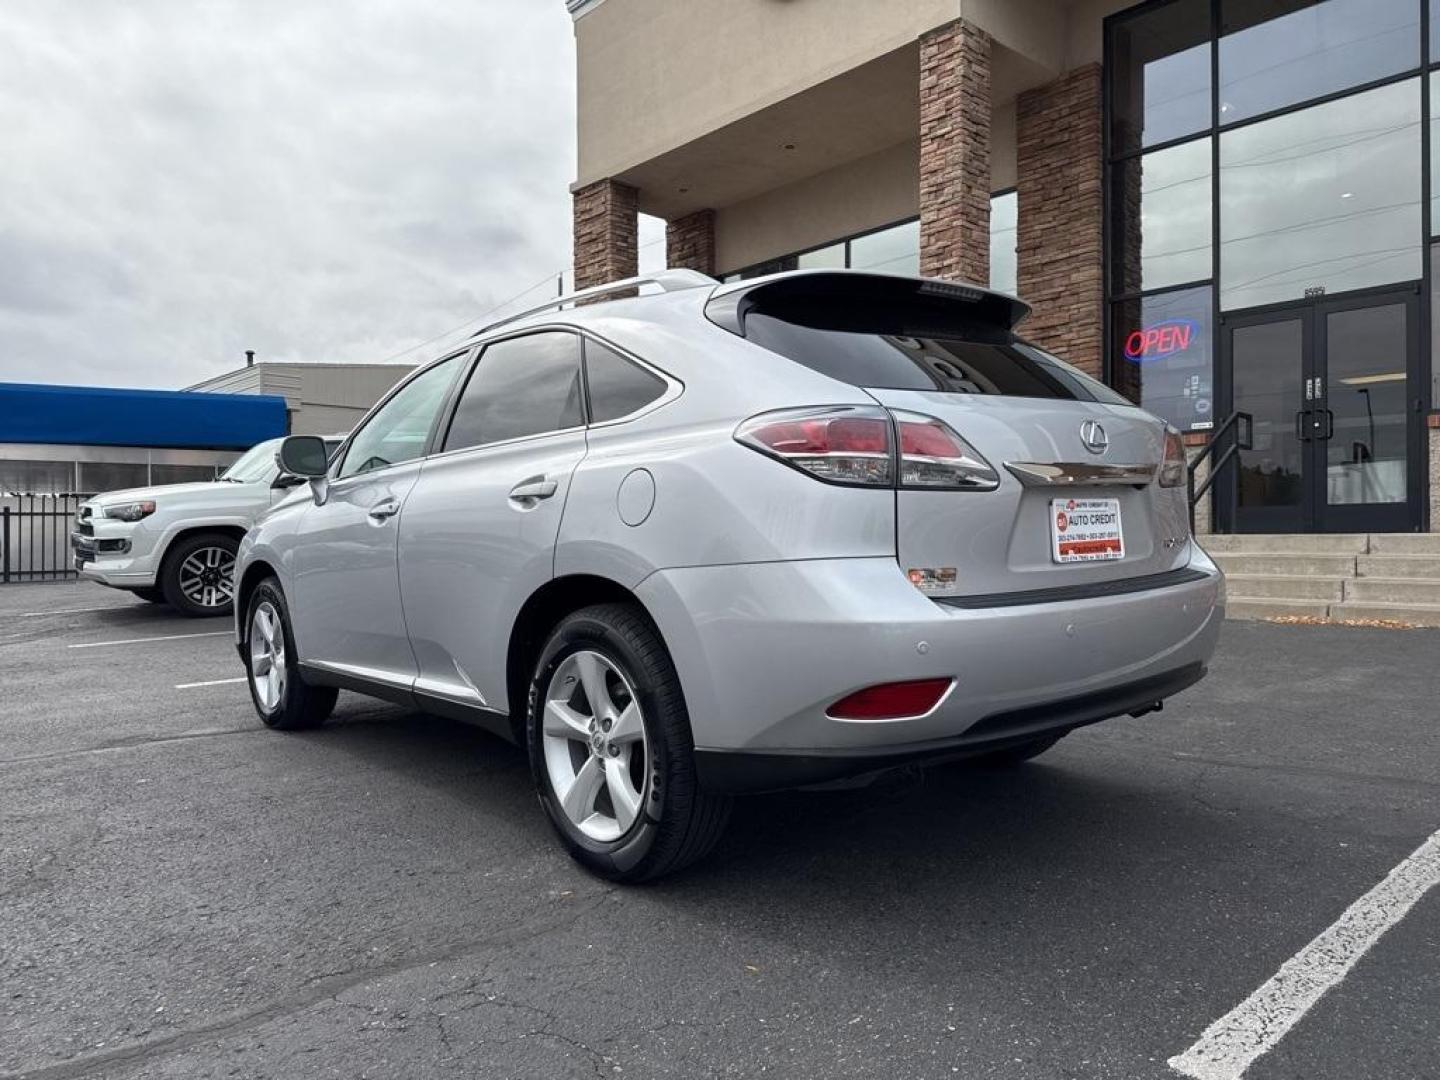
(1333, 387)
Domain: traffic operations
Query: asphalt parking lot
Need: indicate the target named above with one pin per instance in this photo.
(184, 894)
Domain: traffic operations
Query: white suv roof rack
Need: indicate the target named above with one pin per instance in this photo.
(668, 280)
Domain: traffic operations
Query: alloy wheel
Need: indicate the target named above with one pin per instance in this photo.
(267, 656)
(207, 577)
(596, 751)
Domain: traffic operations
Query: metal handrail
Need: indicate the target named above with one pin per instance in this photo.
(1236, 419)
(668, 280)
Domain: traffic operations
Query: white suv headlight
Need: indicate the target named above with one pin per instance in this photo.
(130, 511)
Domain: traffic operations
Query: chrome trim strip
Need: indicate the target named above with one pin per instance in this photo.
(359, 671)
(462, 695)
(1070, 473)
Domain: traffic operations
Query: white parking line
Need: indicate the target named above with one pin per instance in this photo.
(73, 611)
(212, 682)
(1253, 1027)
(143, 640)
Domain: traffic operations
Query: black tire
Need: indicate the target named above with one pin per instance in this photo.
(174, 570)
(1013, 756)
(678, 823)
(299, 705)
(150, 596)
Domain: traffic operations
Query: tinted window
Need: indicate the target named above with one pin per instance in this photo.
(1282, 53)
(962, 360)
(1328, 197)
(399, 430)
(1161, 215)
(1161, 355)
(617, 387)
(1160, 81)
(522, 386)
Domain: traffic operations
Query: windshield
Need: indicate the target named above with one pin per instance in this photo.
(255, 465)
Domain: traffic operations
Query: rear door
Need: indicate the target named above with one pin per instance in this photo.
(478, 536)
(1077, 500)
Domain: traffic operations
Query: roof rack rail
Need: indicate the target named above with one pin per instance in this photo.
(668, 280)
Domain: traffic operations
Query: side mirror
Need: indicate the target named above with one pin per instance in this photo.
(287, 480)
(303, 456)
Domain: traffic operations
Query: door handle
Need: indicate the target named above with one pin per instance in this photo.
(533, 490)
(1302, 425)
(383, 510)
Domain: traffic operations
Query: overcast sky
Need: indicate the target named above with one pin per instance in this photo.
(326, 180)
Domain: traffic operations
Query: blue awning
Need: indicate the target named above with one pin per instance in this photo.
(97, 416)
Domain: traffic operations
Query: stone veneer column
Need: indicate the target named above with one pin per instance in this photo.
(955, 153)
(606, 231)
(1059, 170)
(690, 242)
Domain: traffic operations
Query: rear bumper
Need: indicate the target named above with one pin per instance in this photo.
(742, 771)
(763, 649)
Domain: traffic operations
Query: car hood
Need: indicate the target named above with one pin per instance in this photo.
(223, 490)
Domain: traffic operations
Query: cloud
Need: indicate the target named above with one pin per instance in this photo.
(331, 181)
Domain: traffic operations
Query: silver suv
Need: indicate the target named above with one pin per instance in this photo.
(736, 538)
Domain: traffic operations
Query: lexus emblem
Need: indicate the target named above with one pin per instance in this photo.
(1094, 437)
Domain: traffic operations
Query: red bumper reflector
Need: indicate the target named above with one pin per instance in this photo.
(891, 701)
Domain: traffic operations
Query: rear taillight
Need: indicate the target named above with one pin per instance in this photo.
(856, 444)
(891, 701)
(844, 444)
(932, 455)
(1174, 468)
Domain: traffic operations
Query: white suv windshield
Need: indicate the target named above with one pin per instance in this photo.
(255, 464)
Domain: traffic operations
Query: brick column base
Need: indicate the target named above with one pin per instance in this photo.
(690, 242)
(955, 153)
(606, 233)
(1061, 206)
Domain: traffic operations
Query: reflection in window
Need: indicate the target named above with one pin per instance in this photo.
(1162, 217)
(890, 251)
(1267, 361)
(1004, 222)
(1434, 87)
(1324, 198)
(1268, 62)
(522, 386)
(1162, 358)
(822, 258)
(1366, 356)
(1160, 65)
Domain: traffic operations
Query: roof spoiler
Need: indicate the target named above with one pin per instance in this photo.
(729, 305)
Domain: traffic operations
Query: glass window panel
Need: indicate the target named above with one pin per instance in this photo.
(1283, 52)
(1434, 31)
(617, 386)
(1434, 148)
(522, 386)
(1366, 355)
(399, 430)
(1004, 221)
(98, 477)
(183, 474)
(1160, 82)
(1328, 197)
(823, 258)
(36, 477)
(1161, 206)
(1162, 356)
(890, 251)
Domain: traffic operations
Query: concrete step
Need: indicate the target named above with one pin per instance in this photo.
(1296, 543)
(1289, 564)
(1377, 590)
(1284, 587)
(1243, 608)
(1399, 566)
(1405, 544)
(1410, 614)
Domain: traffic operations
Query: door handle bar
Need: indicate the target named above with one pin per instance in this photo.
(383, 510)
(537, 487)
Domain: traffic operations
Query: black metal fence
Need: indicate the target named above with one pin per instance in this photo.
(35, 537)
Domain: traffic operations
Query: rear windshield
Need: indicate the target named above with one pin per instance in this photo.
(922, 348)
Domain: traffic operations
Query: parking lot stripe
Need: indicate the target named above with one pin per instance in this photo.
(1232, 1043)
(73, 611)
(212, 682)
(143, 640)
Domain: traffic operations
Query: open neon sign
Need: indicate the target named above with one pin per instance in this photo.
(1161, 339)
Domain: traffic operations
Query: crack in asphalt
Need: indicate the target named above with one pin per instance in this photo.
(324, 987)
(131, 743)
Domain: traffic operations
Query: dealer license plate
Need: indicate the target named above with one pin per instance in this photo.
(1085, 530)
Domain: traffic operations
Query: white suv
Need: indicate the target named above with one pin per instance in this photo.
(175, 543)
